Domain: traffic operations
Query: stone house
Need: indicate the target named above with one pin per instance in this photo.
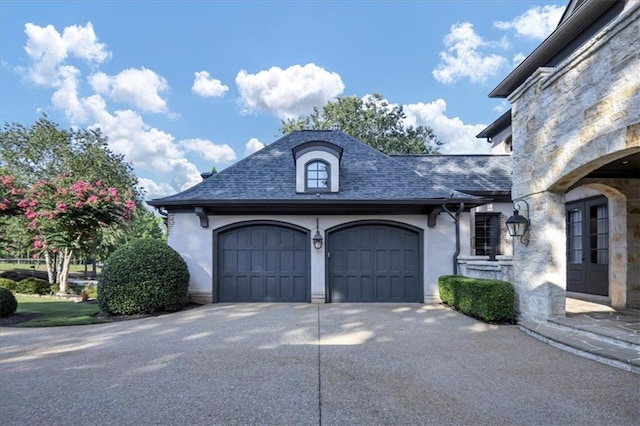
(574, 129)
(318, 216)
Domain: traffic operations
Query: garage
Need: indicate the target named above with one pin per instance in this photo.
(262, 263)
(374, 262)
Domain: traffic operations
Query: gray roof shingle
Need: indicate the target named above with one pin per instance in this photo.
(366, 174)
(465, 173)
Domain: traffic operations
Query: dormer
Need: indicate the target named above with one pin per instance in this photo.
(317, 167)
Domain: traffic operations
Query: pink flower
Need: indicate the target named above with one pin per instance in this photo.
(99, 183)
(113, 191)
(7, 180)
(31, 214)
(130, 205)
(24, 203)
(55, 250)
(79, 204)
(37, 244)
(92, 199)
(61, 207)
(3, 206)
(34, 255)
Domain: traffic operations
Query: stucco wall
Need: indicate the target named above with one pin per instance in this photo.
(195, 244)
(568, 121)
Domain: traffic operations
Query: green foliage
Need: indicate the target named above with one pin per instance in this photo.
(488, 300)
(144, 276)
(33, 286)
(9, 284)
(8, 303)
(373, 121)
(91, 290)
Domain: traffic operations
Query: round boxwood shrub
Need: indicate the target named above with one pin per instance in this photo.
(8, 303)
(33, 286)
(141, 277)
(10, 285)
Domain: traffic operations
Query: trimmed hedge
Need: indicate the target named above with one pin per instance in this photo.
(485, 299)
(8, 303)
(33, 286)
(144, 276)
(10, 285)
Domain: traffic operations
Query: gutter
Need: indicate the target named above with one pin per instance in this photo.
(456, 219)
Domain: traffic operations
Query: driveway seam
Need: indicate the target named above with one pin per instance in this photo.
(319, 374)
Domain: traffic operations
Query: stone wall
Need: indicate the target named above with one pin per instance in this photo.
(482, 267)
(567, 122)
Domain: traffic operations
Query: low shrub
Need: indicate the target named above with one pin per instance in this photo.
(485, 299)
(9, 284)
(144, 276)
(8, 303)
(33, 286)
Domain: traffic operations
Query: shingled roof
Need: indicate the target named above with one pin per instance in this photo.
(470, 174)
(366, 176)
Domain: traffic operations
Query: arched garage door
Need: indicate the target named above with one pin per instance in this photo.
(374, 263)
(263, 263)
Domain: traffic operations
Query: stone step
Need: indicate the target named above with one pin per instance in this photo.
(614, 331)
(594, 346)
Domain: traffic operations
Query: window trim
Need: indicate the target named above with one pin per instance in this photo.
(494, 248)
(306, 176)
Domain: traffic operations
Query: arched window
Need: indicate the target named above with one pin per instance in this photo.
(317, 175)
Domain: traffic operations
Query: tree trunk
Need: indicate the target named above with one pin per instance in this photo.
(50, 271)
(64, 271)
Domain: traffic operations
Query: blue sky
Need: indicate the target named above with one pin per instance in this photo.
(180, 86)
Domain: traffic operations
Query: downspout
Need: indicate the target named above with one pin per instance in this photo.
(457, 222)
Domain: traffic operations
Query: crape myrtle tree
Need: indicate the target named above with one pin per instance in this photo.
(373, 121)
(53, 160)
(67, 214)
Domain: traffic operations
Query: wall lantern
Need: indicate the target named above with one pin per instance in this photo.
(317, 239)
(517, 225)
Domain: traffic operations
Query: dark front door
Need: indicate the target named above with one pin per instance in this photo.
(374, 263)
(263, 263)
(588, 246)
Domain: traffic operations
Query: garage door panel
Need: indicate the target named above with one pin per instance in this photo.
(374, 263)
(263, 263)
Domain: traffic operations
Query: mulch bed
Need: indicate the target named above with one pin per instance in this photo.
(17, 318)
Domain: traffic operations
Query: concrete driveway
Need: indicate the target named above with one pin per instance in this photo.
(304, 364)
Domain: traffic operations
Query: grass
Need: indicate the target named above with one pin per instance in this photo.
(56, 312)
(42, 267)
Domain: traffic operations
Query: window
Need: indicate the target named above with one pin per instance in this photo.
(487, 239)
(317, 176)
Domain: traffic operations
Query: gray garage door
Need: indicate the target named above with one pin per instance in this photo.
(374, 263)
(263, 263)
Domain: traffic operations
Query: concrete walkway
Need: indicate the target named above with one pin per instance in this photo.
(305, 365)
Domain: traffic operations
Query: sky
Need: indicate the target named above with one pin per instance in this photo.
(181, 86)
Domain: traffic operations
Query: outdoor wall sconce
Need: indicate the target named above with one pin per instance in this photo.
(517, 225)
(317, 239)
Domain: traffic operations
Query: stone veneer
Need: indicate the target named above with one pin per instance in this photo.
(567, 122)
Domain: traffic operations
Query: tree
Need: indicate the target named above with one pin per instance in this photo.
(43, 151)
(373, 121)
(66, 215)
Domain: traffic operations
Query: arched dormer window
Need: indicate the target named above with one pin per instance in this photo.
(317, 176)
(317, 166)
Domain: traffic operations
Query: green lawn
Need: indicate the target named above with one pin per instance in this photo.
(55, 312)
(42, 267)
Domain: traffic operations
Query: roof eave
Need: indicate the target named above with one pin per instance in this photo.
(566, 31)
(501, 123)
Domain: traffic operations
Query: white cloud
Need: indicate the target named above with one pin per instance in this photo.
(536, 23)
(48, 49)
(463, 59)
(209, 150)
(253, 145)
(155, 190)
(458, 137)
(140, 87)
(206, 86)
(502, 107)
(517, 59)
(288, 93)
